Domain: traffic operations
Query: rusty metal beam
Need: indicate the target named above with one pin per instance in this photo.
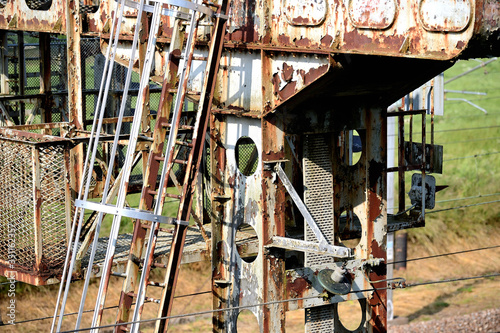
(376, 214)
(22, 75)
(74, 70)
(273, 224)
(45, 78)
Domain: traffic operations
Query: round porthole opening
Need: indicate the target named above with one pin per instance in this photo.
(247, 156)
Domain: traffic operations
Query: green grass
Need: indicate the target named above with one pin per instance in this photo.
(466, 131)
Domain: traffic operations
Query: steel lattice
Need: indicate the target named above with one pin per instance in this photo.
(25, 170)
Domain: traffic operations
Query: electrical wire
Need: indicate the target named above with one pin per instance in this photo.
(193, 314)
(460, 207)
(456, 130)
(407, 285)
(464, 141)
(472, 156)
(452, 280)
(469, 198)
(106, 308)
(444, 254)
(458, 199)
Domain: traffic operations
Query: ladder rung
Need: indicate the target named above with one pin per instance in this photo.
(159, 158)
(152, 300)
(186, 127)
(148, 226)
(200, 58)
(164, 124)
(156, 284)
(152, 192)
(122, 275)
(123, 328)
(131, 294)
(182, 143)
(159, 265)
(184, 162)
(194, 93)
(175, 196)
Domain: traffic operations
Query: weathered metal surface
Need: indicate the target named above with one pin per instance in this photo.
(378, 15)
(273, 223)
(243, 206)
(445, 15)
(16, 15)
(432, 29)
(305, 12)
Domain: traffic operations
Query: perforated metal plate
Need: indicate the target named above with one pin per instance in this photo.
(318, 197)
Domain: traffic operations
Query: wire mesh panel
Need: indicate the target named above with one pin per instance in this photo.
(35, 205)
(16, 203)
(55, 209)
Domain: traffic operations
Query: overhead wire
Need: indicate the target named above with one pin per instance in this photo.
(106, 308)
(472, 156)
(455, 129)
(464, 141)
(288, 300)
(460, 207)
(444, 254)
(193, 314)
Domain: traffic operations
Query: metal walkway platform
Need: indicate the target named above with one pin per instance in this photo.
(195, 249)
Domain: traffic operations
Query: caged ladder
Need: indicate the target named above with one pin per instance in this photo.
(148, 216)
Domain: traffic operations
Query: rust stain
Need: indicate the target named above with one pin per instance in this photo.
(313, 74)
(296, 286)
(304, 42)
(326, 41)
(284, 40)
(287, 91)
(287, 73)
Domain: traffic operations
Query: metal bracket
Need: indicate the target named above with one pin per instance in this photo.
(323, 246)
(306, 246)
(127, 212)
(418, 194)
(165, 11)
(189, 5)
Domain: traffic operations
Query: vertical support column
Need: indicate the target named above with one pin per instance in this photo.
(74, 86)
(22, 75)
(273, 203)
(376, 213)
(220, 271)
(68, 203)
(145, 121)
(273, 224)
(37, 202)
(4, 63)
(391, 149)
(45, 78)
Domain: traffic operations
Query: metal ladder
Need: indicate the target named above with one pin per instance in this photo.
(148, 215)
(152, 197)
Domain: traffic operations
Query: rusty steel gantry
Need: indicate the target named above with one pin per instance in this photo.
(289, 215)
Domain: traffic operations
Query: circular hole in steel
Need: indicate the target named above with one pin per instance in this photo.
(247, 155)
(247, 322)
(350, 314)
(350, 147)
(349, 228)
(356, 147)
(247, 242)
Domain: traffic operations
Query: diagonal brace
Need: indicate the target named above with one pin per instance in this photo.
(323, 246)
